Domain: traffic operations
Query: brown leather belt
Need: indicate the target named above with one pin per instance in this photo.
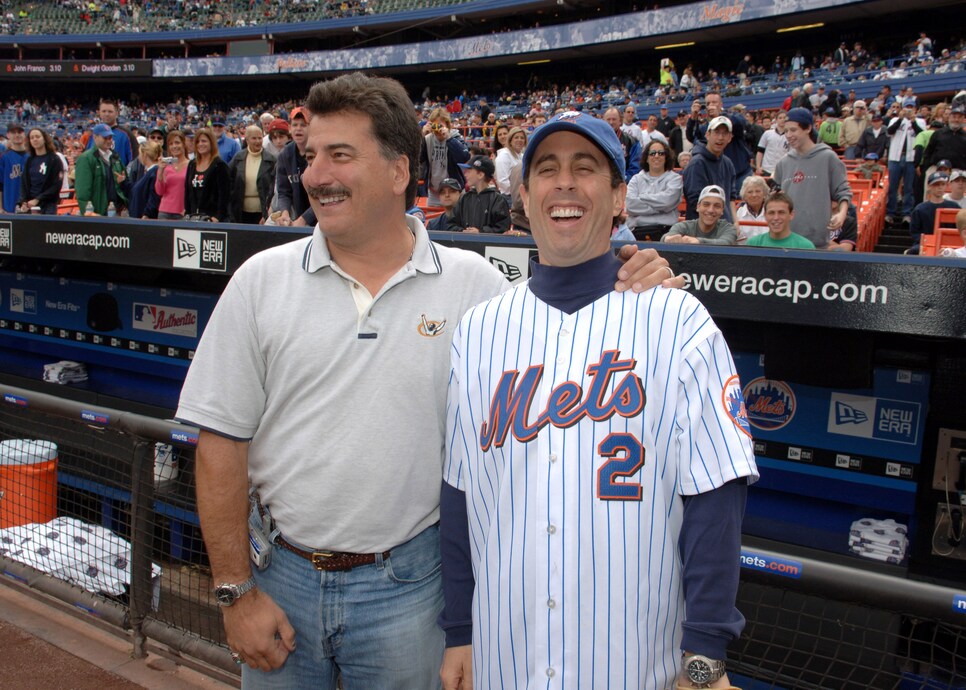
(331, 560)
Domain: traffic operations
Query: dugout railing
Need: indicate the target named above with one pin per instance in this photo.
(814, 620)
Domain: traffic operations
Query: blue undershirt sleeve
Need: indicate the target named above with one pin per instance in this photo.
(710, 545)
(456, 620)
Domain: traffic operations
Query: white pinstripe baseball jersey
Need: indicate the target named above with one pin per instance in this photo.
(573, 437)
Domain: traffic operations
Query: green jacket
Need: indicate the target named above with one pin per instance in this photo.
(90, 182)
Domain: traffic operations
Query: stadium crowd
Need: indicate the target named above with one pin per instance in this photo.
(718, 164)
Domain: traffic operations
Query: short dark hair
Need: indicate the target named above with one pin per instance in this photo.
(670, 160)
(779, 196)
(107, 101)
(383, 101)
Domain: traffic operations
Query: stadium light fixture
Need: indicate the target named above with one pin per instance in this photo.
(674, 45)
(801, 27)
(533, 62)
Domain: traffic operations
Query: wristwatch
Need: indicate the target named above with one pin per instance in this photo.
(702, 671)
(227, 593)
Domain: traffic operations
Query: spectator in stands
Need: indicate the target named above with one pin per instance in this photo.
(632, 148)
(683, 159)
(772, 146)
(499, 137)
(665, 123)
(870, 167)
(754, 190)
(207, 183)
(173, 117)
(277, 136)
(780, 212)
(852, 129)
(449, 193)
(12, 165)
(923, 217)
(292, 201)
(754, 130)
(653, 195)
(709, 227)
(482, 208)
(710, 167)
(949, 143)
(957, 188)
(443, 150)
(100, 178)
(43, 175)
(652, 133)
(923, 172)
(830, 129)
(845, 238)
(630, 126)
(902, 129)
(812, 175)
(228, 147)
(145, 200)
(252, 176)
(170, 184)
(677, 139)
(875, 139)
(508, 157)
(737, 151)
(124, 144)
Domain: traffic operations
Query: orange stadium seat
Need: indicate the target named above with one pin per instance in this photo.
(945, 218)
(943, 238)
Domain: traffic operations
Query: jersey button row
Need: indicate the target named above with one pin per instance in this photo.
(550, 673)
(551, 529)
(551, 604)
(553, 457)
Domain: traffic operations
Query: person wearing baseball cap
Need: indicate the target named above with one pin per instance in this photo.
(482, 208)
(228, 147)
(903, 129)
(957, 187)
(949, 143)
(709, 227)
(813, 176)
(709, 166)
(12, 165)
(450, 191)
(567, 323)
(923, 216)
(100, 178)
(291, 200)
(277, 135)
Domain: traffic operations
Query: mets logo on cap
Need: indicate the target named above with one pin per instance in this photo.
(770, 405)
(568, 116)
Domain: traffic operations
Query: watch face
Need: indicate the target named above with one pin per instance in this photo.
(225, 595)
(699, 671)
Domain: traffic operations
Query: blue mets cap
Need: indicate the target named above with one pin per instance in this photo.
(598, 131)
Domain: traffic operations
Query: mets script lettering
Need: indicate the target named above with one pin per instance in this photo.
(567, 404)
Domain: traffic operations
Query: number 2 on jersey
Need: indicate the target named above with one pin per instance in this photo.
(626, 459)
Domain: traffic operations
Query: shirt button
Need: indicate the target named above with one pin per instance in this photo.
(551, 529)
(550, 673)
(553, 457)
(551, 603)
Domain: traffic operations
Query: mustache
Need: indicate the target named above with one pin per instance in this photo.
(327, 190)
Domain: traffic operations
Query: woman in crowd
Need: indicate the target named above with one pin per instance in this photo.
(207, 184)
(43, 175)
(499, 137)
(144, 200)
(508, 156)
(654, 193)
(170, 183)
(752, 208)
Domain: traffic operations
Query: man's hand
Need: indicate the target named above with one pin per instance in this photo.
(680, 239)
(644, 269)
(721, 684)
(837, 219)
(471, 229)
(283, 218)
(457, 670)
(258, 631)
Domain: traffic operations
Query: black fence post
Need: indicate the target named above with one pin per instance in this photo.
(142, 535)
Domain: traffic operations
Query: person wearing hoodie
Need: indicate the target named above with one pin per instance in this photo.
(653, 194)
(812, 175)
(482, 208)
(709, 166)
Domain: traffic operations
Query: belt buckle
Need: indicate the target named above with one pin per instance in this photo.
(320, 557)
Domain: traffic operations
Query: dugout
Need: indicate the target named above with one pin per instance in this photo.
(852, 368)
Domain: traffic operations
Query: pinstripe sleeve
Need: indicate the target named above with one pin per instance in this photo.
(714, 444)
(453, 465)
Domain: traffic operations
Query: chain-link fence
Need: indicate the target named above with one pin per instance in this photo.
(97, 508)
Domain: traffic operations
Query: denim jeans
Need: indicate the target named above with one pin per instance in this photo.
(374, 625)
(905, 171)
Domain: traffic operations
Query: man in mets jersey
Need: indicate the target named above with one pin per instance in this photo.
(598, 459)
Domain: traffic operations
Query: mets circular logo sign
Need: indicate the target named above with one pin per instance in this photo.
(734, 404)
(770, 405)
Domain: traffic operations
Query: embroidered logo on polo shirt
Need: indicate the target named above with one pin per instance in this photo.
(429, 328)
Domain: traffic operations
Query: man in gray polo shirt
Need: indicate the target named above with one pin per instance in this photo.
(322, 378)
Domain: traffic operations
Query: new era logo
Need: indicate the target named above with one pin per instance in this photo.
(846, 414)
(200, 250)
(185, 248)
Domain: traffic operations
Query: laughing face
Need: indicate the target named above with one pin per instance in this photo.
(571, 202)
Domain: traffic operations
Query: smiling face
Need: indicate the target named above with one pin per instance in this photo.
(518, 142)
(710, 210)
(502, 133)
(570, 200)
(779, 219)
(352, 188)
(796, 135)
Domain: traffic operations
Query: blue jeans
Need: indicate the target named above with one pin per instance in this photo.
(907, 173)
(850, 153)
(374, 625)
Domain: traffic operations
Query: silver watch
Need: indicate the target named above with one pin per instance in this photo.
(702, 671)
(227, 593)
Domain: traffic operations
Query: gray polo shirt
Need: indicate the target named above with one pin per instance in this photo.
(345, 411)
